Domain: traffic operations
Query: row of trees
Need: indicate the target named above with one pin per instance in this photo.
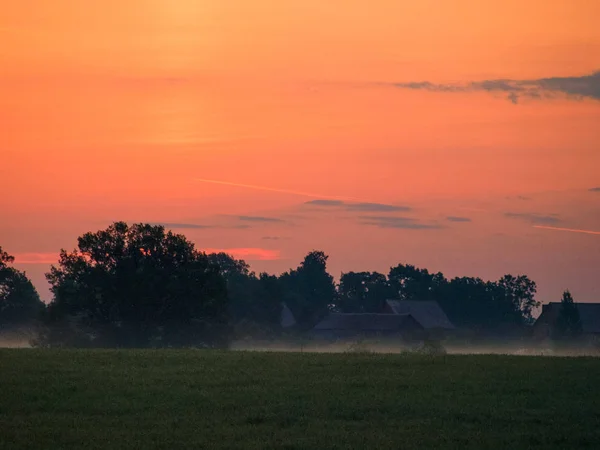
(469, 302)
(141, 285)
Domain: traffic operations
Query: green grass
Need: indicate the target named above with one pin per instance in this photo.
(51, 399)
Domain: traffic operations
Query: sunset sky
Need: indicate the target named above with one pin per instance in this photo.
(458, 135)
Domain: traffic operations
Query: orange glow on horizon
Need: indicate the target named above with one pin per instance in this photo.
(249, 254)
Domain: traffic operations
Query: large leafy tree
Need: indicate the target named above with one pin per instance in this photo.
(363, 292)
(519, 291)
(309, 290)
(408, 282)
(19, 300)
(136, 286)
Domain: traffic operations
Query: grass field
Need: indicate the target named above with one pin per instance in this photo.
(168, 399)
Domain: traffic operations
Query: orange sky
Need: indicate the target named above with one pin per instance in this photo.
(115, 110)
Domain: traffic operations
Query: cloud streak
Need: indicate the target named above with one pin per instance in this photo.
(406, 223)
(272, 189)
(575, 87)
(595, 189)
(260, 219)
(323, 202)
(358, 206)
(571, 230)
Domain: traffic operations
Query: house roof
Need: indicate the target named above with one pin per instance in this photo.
(589, 314)
(363, 322)
(287, 317)
(428, 313)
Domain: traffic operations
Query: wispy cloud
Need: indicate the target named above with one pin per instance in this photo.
(250, 254)
(407, 223)
(575, 87)
(458, 219)
(239, 226)
(272, 189)
(359, 206)
(595, 189)
(322, 202)
(259, 219)
(36, 258)
(572, 230)
(533, 218)
(181, 226)
(376, 207)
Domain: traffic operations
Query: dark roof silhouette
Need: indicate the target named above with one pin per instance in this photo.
(363, 322)
(287, 318)
(428, 313)
(589, 314)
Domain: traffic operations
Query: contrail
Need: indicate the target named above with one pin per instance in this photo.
(572, 230)
(281, 191)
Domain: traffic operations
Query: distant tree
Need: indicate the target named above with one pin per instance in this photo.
(309, 290)
(363, 292)
(5, 259)
(480, 305)
(520, 292)
(408, 282)
(270, 296)
(19, 300)
(251, 299)
(568, 323)
(468, 302)
(136, 286)
(240, 284)
(230, 267)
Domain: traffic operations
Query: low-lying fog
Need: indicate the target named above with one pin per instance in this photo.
(21, 339)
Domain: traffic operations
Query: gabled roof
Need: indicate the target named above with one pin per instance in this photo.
(363, 322)
(428, 313)
(287, 317)
(589, 314)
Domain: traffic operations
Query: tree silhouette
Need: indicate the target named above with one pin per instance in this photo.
(19, 300)
(411, 283)
(469, 302)
(136, 286)
(520, 292)
(363, 292)
(309, 290)
(5, 259)
(568, 322)
(251, 298)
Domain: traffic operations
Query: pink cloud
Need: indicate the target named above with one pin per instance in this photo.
(36, 258)
(260, 254)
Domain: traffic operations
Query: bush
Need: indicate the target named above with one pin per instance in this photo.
(432, 347)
